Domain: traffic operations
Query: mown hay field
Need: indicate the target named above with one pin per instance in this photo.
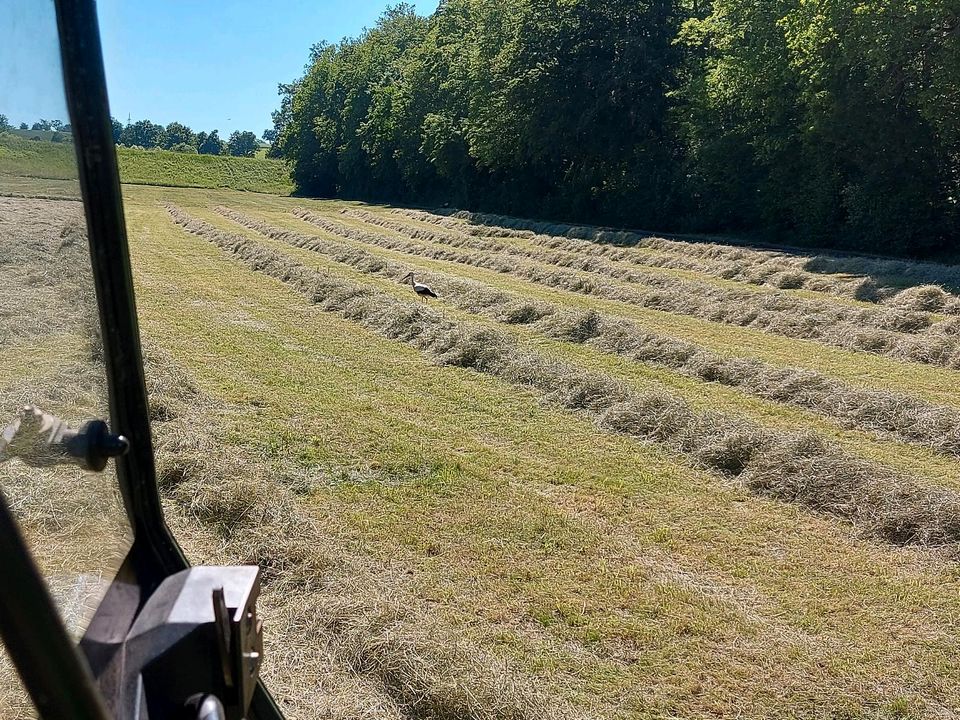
(603, 475)
(584, 482)
(51, 356)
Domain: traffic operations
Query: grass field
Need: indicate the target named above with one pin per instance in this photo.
(24, 158)
(620, 477)
(530, 499)
(50, 356)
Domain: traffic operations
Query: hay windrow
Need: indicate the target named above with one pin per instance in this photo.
(740, 307)
(902, 416)
(879, 280)
(804, 469)
(370, 643)
(453, 223)
(774, 314)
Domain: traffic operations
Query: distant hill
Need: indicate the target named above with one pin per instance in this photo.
(162, 167)
(42, 134)
(22, 156)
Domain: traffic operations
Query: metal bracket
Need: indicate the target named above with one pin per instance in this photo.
(197, 636)
(40, 439)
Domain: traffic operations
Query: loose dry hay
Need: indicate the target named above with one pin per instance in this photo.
(896, 273)
(805, 470)
(879, 280)
(881, 503)
(418, 233)
(739, 307)
(923, 298)
(902, 416)
(45, 284)
(461, 226)
(383, 658)
(893, 332)
(74, 522)
(343, 636)
(48, 313)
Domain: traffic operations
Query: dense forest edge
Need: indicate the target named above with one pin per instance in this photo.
(835, 124)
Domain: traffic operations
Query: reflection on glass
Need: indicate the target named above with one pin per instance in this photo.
(36, 149)
(50, 350)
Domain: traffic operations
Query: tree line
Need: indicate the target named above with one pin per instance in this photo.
(829, 122)
(56, 126)
(180, 138)
(145, 134)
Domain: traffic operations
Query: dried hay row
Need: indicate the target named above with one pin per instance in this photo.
(825, 263)
(799, 468)
(459, 239)
(902, 416)
(452, 223)
(775, 301)
(372, 646)
(940, 348)
(775, 270)
(41, 291)
(880, 280)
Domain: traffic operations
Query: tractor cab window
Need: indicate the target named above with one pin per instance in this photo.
(50, 348)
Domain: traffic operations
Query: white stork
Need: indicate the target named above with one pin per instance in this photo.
(419, 288)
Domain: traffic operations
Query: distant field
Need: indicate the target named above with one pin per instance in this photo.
(22, 157)
(160, 167)
(618, 478)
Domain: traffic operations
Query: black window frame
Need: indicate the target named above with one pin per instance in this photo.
(56, 674)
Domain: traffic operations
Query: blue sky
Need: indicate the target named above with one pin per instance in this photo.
(31, 86)
(217, 65)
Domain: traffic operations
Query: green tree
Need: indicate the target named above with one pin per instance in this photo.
(282, 119)
(242, 144)
(813, 120)
(178, 134)
(569, 99)
(24, 126)
(341, 124)
(117, 129)
(307, 123)
(4, 123)
(212, 145)
(143, 133)
(835, 122)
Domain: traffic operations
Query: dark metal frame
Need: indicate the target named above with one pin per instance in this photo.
(58, 680)
(57, 677)
(155, 552)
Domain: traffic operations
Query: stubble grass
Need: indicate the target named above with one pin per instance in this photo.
(612, 576)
